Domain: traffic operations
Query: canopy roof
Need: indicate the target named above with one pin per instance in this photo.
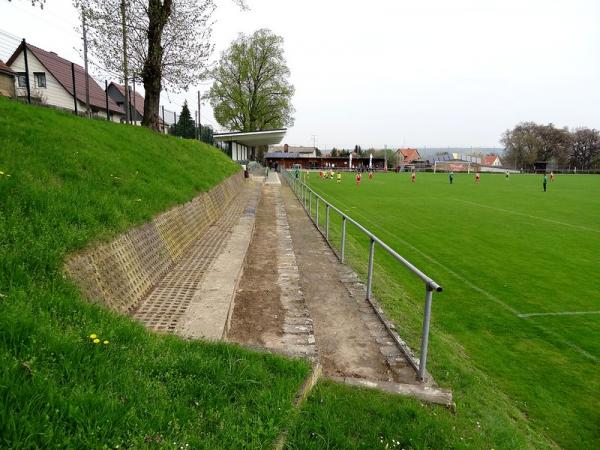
(252, 138)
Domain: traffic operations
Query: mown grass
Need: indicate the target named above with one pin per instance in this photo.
(67, 182)
(498, 248)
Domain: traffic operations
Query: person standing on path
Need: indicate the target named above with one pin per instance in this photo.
(451, 177)
(545, 181)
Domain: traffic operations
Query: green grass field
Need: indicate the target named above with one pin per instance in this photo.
(518, 323)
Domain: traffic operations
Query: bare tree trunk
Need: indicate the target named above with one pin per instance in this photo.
(125, 80)
(158, 15)
(85, 60)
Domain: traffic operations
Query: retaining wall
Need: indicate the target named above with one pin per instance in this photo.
(120, 274)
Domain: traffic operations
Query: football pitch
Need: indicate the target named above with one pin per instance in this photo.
(519, 268)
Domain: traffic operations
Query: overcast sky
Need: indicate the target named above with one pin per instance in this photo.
(426, 73)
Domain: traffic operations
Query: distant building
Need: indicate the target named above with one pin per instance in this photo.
(304, 152)
(136, 108)
(116, 92)
(407, 155)
(283, 160)
(7, 80)
(51, 83)
(492, 160)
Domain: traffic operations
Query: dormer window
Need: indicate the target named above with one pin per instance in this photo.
(40, 79)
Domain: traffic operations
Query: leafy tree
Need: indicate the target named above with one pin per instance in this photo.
(585, 148)
(167, 41)
(318, 152)
(251, 90)
(185, 126)
(334, 152)
(344, 153)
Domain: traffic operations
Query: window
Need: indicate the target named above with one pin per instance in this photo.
(22, 79)
(40, 79)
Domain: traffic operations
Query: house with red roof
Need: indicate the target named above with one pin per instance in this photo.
(492, 160)
(408, 155)
(51, 83)
(116, 92)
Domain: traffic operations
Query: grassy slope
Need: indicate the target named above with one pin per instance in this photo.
(508, 373)
(73, 181)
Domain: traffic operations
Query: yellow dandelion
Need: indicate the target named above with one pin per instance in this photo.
(93, 336)
(96, 341)
(105, 342)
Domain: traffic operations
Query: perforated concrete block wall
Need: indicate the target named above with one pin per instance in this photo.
(120, 273)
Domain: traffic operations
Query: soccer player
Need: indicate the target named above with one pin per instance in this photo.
(413, 177)
(507, 174)
(551, 176)
(477, 177)
(358, 178)
(339, 177)
(545, 182)
(451, 177)
(321, 174)
(371, 174)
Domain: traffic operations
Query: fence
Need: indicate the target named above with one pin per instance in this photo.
(307, 197)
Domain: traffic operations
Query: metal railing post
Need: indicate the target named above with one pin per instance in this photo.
(327, 222)
(310, 204)
(343, 245)
(317, 213)
(370, 273)
(425, 336)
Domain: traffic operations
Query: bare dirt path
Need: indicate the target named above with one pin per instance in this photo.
(258, 314)
(269, 309)
(346, 345)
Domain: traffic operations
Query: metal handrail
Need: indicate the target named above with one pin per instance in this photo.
(305, 194)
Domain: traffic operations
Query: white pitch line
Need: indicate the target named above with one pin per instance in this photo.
(562, 313)
(510, 211)
(473, 286)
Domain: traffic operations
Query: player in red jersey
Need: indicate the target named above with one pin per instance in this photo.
(413, 177)
(358, 178)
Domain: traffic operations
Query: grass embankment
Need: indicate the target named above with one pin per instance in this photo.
(69, 181)
(500, 248)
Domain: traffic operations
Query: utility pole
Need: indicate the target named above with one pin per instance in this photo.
(314, 138)
(199, 124)
(85, 63)
(125, 78)
(385, 157)
(134, 112)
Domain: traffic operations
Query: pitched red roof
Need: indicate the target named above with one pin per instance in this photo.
(409, 154)
(488, 160)
(139, 98)
(60, 68)
(5, 69)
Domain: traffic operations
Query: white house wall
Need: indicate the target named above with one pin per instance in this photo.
(53, 94)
